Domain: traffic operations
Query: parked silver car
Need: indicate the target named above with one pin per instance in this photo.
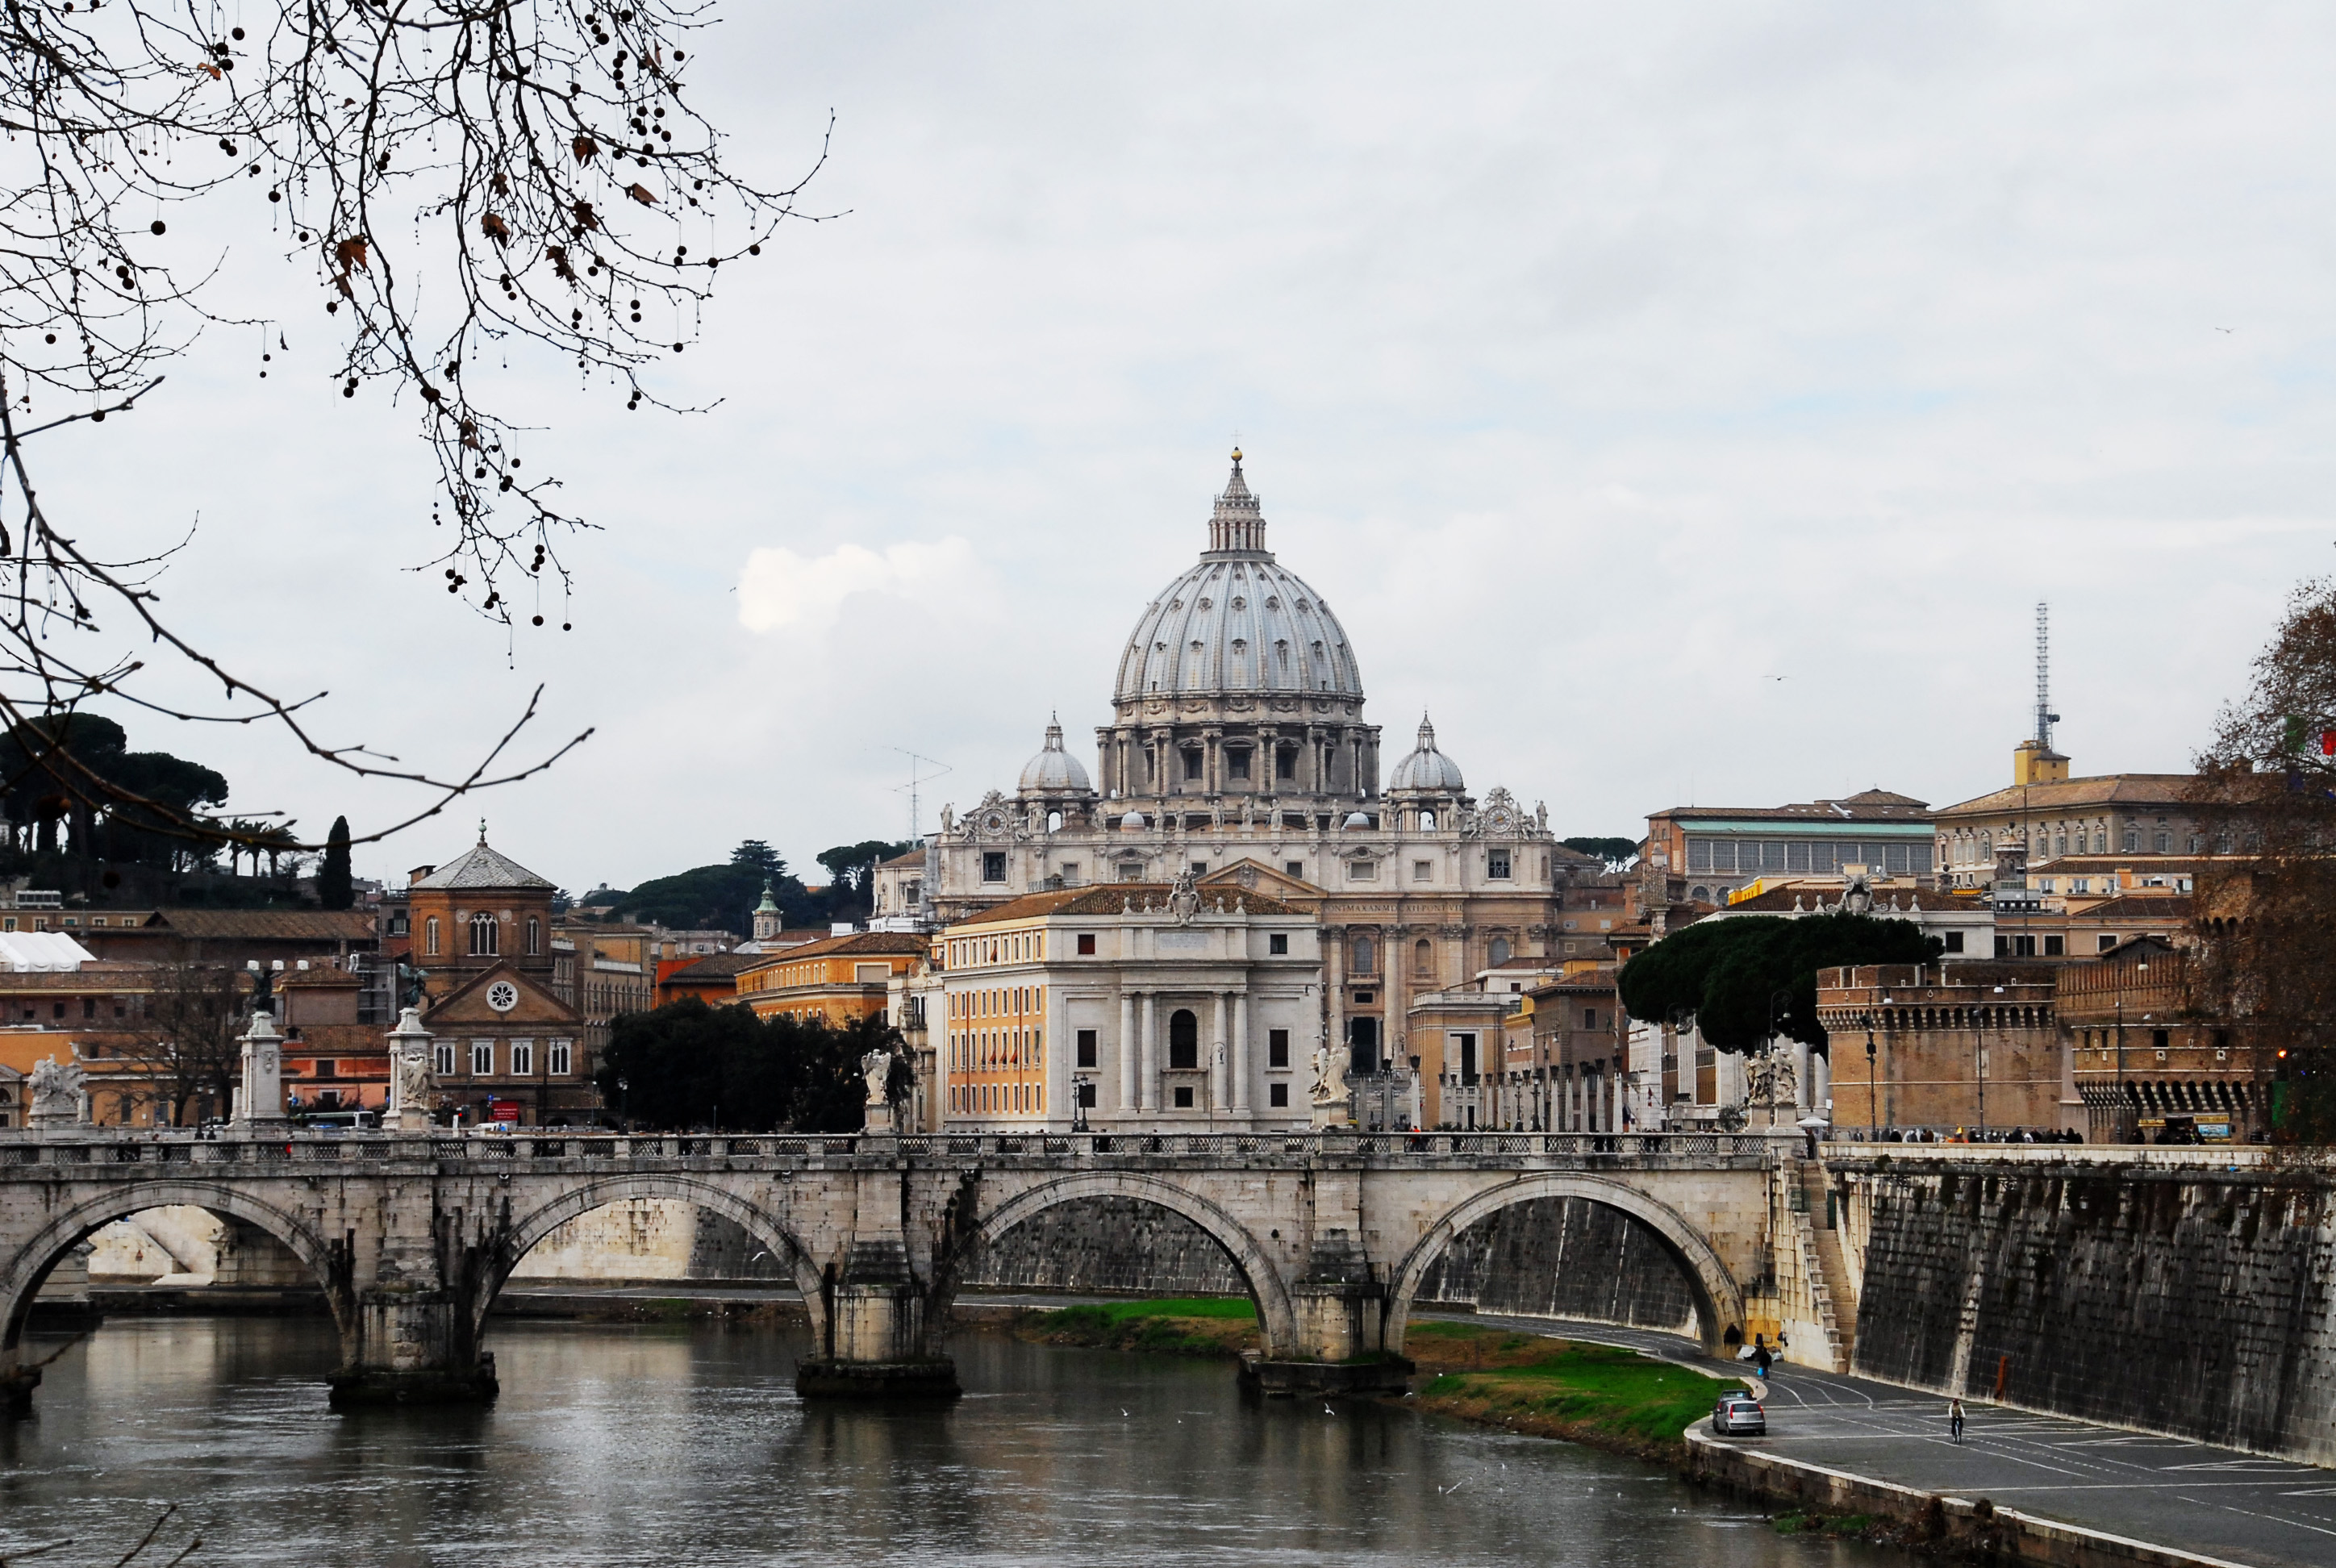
(1738, 1414)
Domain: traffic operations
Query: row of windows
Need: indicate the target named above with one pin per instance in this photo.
(1969, 849)
(1005, 1002)
(1818, 857)
(974, 1099)
(559, 1058)
(1013, 947)
(485, 936)
(987, 1050)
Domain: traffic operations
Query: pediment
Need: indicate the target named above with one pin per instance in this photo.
(468, 1005)
(1258, 877)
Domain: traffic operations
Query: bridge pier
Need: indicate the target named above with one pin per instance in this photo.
(879, 1311)
(413, 1350)
(1341, 1311)
(17, 1385)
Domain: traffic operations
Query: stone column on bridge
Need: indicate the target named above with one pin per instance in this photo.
(1127, 1049)
(260, 1104)
(408, 1107)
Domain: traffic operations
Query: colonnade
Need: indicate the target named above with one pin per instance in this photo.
(1224, 1051)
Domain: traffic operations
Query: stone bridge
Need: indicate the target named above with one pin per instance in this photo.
(412, 1237)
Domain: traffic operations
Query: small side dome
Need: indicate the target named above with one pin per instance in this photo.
(1357, 820)
(1427, 768)
(1134, 823)
(1055, 771)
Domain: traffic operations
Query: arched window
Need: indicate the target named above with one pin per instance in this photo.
(534, 936)
(429, 936)
(1423, 958)
(483, 935)
(1499, 951)
(1427, 822)
(1183, 1040)
(1365, 955)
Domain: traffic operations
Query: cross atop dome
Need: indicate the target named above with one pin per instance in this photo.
(1237, 525)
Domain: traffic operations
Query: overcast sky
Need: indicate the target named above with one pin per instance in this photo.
(1684, 403)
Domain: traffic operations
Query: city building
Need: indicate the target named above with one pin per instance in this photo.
(1971, 1047)
(2069, 835)
(1704, 854)
(713, 979)
(1239, 753)
(512, 1045)
(838, 980)
(1133, 1006)
(2149, 1059)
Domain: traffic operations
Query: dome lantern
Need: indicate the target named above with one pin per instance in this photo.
(1427, 770)
(1054, 770)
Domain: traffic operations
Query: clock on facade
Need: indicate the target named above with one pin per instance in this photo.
(502, 996)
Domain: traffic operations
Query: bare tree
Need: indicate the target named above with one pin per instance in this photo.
(2267, 793)
(185, 1051)
(454, 178)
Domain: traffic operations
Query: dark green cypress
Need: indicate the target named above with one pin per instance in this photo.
(335, 890)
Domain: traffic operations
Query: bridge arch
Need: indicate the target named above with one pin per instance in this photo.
(1719, 1303)
(1277, 1319)
(22, 1272)
(575, 1202)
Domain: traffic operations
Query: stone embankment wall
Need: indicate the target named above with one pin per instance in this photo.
(649, 1239)
(2199, 1303)
(1113, 1245)
(1562, 1258)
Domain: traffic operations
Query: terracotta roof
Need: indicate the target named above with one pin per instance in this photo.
(718, 966)
(871, 942)
(915, 857)
(2150, 789)
(264, 925)
(2139, 907)
(1112, 898)
(311, 978)
(481, 867)
(1865, 806)
(339, 1040)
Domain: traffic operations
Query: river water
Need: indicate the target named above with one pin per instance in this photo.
(685, 1444)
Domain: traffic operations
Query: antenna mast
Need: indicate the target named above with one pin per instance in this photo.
(916, 821)
(2045, 717)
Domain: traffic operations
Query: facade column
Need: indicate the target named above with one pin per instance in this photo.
(1821, 1084)
(1241, 1049)
(1220, 1046)
(1334, 988)
(1127, 1051)
(1147, 1087)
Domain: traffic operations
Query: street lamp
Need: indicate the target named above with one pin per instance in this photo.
(1079, 1103)
(625, 1104)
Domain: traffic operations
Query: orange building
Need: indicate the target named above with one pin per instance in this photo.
(712, 977)
(841, 979)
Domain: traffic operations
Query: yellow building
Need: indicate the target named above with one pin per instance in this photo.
(839, 979)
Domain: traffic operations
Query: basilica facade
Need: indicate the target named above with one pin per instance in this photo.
(1240, 755)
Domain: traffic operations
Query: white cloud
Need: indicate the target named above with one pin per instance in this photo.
(782, 591)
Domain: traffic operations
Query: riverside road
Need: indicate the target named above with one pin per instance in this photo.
(2216, 1504)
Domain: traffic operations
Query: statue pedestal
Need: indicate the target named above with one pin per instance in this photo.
(408, 1109)
(260, 1102)
(877, 1120)
(1334, 1115)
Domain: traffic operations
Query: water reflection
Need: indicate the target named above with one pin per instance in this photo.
(624, 1444)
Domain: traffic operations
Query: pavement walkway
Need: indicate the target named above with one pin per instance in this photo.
(2214, 1503)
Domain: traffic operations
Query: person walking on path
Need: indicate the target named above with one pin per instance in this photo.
(1761, 1358)
(1955, 1419)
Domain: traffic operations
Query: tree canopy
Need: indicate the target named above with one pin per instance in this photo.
(76, 770)
(1728, 973)
(1609, 849)
(686, 1064)
(722, 897)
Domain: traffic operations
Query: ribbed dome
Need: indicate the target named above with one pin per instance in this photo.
(1054, 770)
(1427, 768)
(1237, 621)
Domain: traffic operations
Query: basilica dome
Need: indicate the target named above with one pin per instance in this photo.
(1055, 771)
(1427, 768)
(1237, 622)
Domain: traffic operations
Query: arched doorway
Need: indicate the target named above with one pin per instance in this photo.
(1183, 1040)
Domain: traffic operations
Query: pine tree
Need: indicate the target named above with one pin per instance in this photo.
(335, 889)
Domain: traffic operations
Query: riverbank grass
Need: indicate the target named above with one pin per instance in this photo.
(1596, 1394)
(1183, 1326)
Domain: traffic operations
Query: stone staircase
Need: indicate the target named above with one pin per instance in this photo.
(1840, 1296)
